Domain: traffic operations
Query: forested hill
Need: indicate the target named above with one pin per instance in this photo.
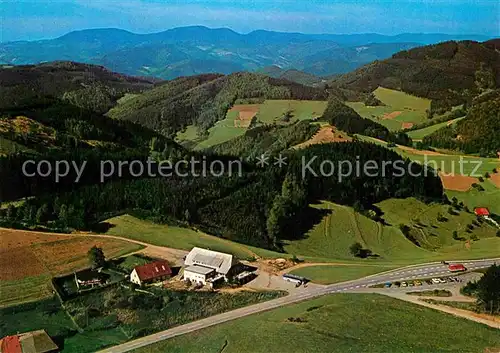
(449, 73)
(90, 86)
(205, 99)
(478, 132)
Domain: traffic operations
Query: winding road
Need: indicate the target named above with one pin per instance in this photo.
(405, 273)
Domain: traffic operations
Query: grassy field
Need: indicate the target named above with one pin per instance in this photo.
(272, 110)
(490, 197)
(25, 290)
(269, 111)
(421, 133)
(170, 236)
(435, 235)
(328, 274)
(449, 163)
(411, 109)
(222, 131)
(189, 134)
(340, 323)
(331, 238)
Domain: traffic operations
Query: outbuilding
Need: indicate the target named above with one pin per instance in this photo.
(481, 211)
(28, 342)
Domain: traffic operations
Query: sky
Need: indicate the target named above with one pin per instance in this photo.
(40, 19)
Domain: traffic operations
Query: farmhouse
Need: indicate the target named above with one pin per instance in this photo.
(204, 266)
(29, 342)
(482, 211)
(152, 272)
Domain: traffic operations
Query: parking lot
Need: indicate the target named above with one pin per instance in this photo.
(452, 281)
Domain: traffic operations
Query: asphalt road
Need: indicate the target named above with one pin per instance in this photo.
(406, 273)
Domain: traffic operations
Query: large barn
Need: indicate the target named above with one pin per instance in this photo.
(204, 266)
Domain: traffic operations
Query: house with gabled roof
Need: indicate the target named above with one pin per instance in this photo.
(151, 272)
(29, 342)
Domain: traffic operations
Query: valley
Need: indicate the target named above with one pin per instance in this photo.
(294, 237)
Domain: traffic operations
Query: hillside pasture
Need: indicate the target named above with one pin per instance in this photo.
(400, 109)
(28, 260)
(222, 131)
(436, 236)
(449, 163)
(239, 117)
(272, 110)
(246, 112)
(421, 133)
(475, 198)
(330, 239)
(457, 182)
(339, 323)
(131, 227)
(326, 134)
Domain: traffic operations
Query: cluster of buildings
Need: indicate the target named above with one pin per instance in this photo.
(201, 267)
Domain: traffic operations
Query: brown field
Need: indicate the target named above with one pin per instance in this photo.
(407, 125)
(18, 263)
(457, 182)
(70, 254)
(37, 256)
(392, 115)
(495, 178)
(245, 114)
(326, 134)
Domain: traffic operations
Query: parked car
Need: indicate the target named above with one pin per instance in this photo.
(388, 285)
(397, 284)
(404, 284)
(428, 281)
(449, 279)
(418, 283)
(435, 281)
(441, 280)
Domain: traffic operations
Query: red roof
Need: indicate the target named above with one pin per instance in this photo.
(481, 211)
(11, 344)
(153, 270)
(455, 267)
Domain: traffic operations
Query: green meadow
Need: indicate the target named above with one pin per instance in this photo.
(337, 324)
(412, 109)
(421, 133)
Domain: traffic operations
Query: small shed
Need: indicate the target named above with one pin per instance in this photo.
(481, 211)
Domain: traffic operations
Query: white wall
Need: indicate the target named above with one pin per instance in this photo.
(194, 277)
(134, 278)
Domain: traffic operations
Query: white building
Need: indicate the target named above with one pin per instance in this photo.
(206, 266)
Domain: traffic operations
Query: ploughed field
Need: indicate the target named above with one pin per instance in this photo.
(29, 259)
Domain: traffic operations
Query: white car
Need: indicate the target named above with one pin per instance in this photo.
(442, 280)
(403, 284)
(435, 281)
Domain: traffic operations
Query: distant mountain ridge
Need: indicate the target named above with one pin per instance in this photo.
(194, 50)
